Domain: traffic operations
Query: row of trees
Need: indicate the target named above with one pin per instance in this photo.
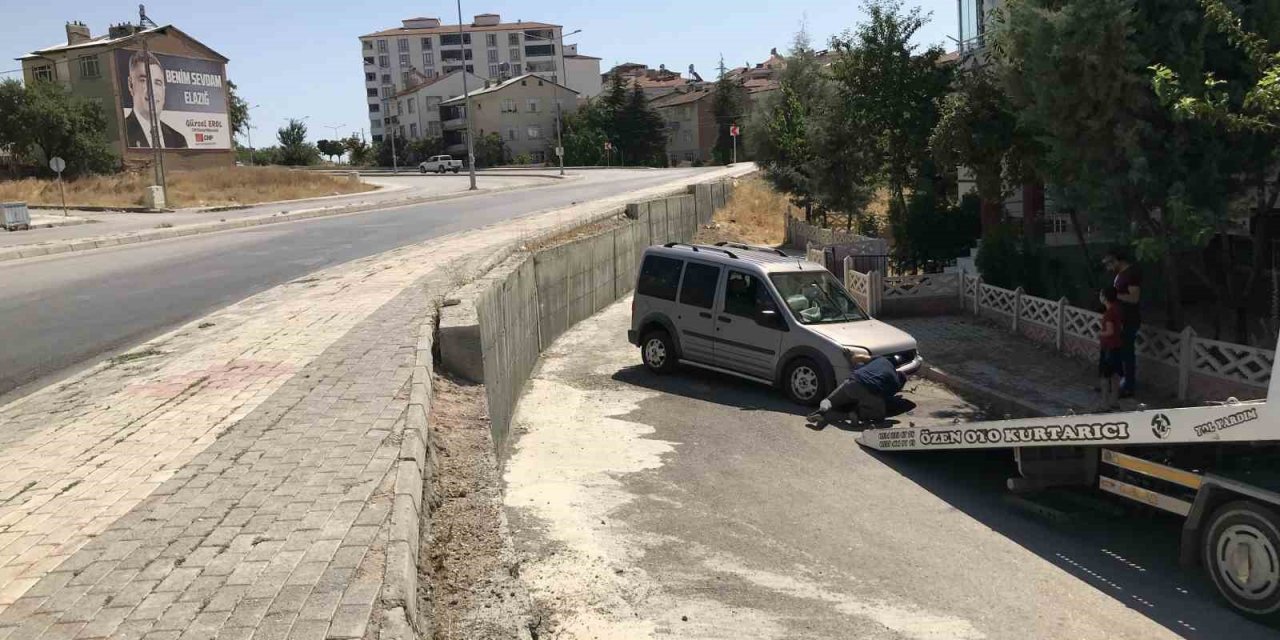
(1158, 119)
(622, 118)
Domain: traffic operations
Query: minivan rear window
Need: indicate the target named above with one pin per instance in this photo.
(659, 277)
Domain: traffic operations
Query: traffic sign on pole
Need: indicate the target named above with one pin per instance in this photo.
(58, 165)
(733, 130)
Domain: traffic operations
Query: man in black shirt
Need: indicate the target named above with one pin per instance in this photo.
(1128, 285)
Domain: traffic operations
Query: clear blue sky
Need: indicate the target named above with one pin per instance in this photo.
(303, 59)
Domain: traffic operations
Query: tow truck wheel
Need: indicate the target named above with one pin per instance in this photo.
(1241, 550)
(657, 351)
(805, 383)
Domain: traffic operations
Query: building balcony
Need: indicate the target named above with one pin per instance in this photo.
(457, 150)
(454, 124)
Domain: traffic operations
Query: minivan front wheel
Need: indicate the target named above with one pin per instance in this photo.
(658, 352)
(805, 382)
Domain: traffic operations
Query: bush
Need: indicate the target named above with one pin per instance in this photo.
(523, 159)
(933, 230)
(1000, 259)
(698, 163)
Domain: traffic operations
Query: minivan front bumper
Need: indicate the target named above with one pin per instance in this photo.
(912, 367)
(632, 337)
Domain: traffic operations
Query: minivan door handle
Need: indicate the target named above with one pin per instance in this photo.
(725, 319)
(704, 314)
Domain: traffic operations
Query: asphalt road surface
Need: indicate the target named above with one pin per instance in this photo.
(696, 505)
(67, 310)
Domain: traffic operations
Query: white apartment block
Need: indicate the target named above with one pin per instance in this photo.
(422, 49)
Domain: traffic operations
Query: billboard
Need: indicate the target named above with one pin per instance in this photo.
(190, 96)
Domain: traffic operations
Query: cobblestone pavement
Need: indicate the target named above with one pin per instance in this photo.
(232, 478)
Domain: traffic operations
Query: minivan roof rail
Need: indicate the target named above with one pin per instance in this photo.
(752, 247)
(696, 247)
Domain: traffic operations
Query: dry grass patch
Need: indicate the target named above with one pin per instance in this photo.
(756, 214)
(201, 188)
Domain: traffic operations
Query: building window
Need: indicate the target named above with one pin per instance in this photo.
(511, 134)
(382, 46)
(370, 77)
(412, 104)
(89, 67)
(368, 60)
(513, 39)
(388, 91)
(455, 54)
(687, 136)
(493, 71)
(368, 45)
(540, 34)
(404, 59)
(428, 58)
(508, 105)
(453, 39)
(413, 126)
(426, 44)
(433, 129)
(384, 61)
(372, 92)
(404, 79)
(514, 54)
(534, 132)
(541, 67)
(375, 108)
(491, 39)
(402, 44)
(429, 73)
(44, 72)
(532, 104)
(532, 50)
(493, 56)
(386, 78)
(688, 156)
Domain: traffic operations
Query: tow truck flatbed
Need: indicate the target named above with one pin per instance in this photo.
(1218, 466)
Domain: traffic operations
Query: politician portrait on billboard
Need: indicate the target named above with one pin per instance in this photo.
(189, 97)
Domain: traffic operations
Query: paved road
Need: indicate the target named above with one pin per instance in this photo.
(699, 506)
(62, 311)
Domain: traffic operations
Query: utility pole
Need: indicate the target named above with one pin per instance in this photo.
(563, 79)
(157, 144)
(248, 130)
(471, 145)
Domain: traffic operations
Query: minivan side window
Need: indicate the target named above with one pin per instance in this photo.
(699, 289)
(659, 277)
(745, 295)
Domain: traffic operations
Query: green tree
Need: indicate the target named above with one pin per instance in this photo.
(781, 141)
(584, 137)
(1243, 108)
(491, 151)
(357, 149)
(44, 120)
(889, 92)
(237, 110)
(976, 129)
(642, 133)
(1078, 75)
(331, 148)
(294, 148)
(419, 150)
(729, 107)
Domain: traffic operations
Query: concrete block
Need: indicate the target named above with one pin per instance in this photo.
(153, 197)
(460, 346)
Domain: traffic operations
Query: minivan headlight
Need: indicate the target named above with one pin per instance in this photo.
(857, 356)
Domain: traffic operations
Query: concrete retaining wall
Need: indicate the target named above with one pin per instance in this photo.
(551, 290)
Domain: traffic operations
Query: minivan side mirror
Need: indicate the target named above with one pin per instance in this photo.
(770, 318)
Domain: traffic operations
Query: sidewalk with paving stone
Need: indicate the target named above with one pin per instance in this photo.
(233, 478)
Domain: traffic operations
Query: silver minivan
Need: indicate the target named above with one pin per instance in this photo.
(759, 314)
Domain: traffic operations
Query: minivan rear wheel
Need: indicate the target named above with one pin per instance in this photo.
(805, 382)
(658, 351)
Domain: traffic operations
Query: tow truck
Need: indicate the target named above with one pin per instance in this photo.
(1217, 466)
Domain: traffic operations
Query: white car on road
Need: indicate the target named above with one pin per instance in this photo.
(440, 164)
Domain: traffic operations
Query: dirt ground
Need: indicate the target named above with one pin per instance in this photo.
(474, 592)
(755, 214)
(202, 188)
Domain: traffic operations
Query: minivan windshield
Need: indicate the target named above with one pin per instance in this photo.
(815, 297)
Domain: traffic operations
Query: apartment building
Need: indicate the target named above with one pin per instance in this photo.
(416, 110)
(691, 124)
(522, 110)
(188, 119)
(422, 49)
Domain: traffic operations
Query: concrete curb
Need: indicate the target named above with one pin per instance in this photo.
(999, 402)
(37, 250)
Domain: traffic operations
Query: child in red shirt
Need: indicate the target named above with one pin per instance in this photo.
(1111, 346)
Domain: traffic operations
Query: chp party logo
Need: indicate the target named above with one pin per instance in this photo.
(1160, 425)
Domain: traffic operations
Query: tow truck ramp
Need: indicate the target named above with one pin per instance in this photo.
(1217, 466)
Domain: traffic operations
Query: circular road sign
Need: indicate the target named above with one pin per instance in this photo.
(57, 164)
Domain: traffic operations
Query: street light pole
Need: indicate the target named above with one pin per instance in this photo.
(471, 145)
(248, 130)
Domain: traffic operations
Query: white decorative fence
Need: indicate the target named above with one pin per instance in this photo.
(1198, 367)
(803, 234)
